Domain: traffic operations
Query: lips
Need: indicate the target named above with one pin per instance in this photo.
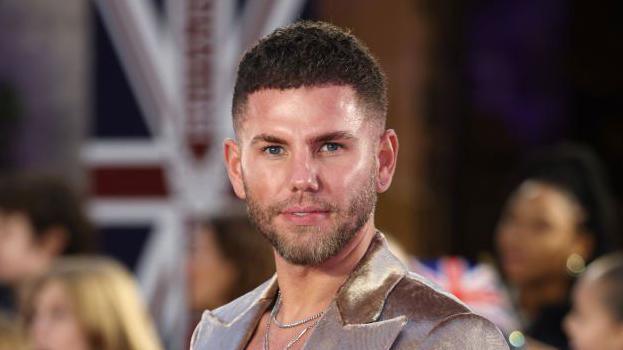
(305, 215)
(305, 210)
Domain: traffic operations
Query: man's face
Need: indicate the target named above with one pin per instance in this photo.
(306, 162)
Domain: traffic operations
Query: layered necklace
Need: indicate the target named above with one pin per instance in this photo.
(273, 319)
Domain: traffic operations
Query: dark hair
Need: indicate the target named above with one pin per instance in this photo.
(309, 54)
(609, 270)
(242, 245)
(575, 170)
(48, 202)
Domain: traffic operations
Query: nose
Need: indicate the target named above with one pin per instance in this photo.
(304, 176)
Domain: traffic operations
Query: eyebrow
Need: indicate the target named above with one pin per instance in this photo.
(267, 138)
(337, 135)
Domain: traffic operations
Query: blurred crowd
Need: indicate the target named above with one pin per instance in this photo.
(57, 290)
(474, 86)
(556, 281)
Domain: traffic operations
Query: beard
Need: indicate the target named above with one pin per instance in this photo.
(313, 245)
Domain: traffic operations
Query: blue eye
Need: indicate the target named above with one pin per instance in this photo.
(273, 150)
(330, 147)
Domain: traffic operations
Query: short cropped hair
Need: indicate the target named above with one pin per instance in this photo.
(310, 54)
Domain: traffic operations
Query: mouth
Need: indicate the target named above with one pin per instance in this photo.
(305, 215)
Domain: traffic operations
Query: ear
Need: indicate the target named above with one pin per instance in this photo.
(234, 167)
(387, 156)
(53, 241)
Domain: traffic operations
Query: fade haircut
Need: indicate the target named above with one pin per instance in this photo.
(310, 54)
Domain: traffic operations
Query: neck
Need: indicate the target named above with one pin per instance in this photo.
(533, 297)
(306, 290)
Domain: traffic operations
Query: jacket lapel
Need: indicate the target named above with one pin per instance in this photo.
(332, 333)
(362, 297)
(231, 327)
(352, 319)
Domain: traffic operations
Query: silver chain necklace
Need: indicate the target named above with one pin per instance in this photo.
(273, 318)
(292, 324)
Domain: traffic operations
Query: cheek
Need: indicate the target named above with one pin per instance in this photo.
(348, 172)
(594, 329)
(262, 176)
(554, 253)
(504, 238)
(590, 335)
(545, 247)
(531, 257)
(68, 333)
(16, 248)
(61, 334)
(549, 246)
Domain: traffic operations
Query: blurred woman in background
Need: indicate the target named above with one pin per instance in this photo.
(227, 258)
(558, 217)
(596, 321)
(88, 303)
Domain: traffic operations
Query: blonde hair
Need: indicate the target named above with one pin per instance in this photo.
(11, 336)
(106, 302)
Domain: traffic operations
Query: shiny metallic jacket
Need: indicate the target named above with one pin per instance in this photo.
(381, 306)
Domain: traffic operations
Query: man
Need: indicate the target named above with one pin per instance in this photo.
(310, 155)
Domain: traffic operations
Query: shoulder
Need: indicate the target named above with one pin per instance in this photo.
(437, 319)
(464, 331)
(419, 299)
(228, 314)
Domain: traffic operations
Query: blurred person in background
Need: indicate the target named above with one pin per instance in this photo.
(41, 218)
(227, 258)
(558, 217)
(596, 320)
(11, 336)
(87, 303)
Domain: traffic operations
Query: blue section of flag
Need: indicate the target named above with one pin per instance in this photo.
(116, 113)
(124, 243)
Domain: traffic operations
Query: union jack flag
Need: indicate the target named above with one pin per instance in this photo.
(476, 284)
(148, 187)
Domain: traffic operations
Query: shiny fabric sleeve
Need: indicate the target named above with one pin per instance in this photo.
(465, 331)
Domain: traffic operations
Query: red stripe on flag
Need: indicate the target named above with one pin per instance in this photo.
(120, 181)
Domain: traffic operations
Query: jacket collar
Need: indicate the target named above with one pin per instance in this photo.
(352, 317)
(231, 326)
(362, 297)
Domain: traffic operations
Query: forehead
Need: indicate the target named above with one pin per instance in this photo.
(540, 193)
(53, 290)
(303, 110)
